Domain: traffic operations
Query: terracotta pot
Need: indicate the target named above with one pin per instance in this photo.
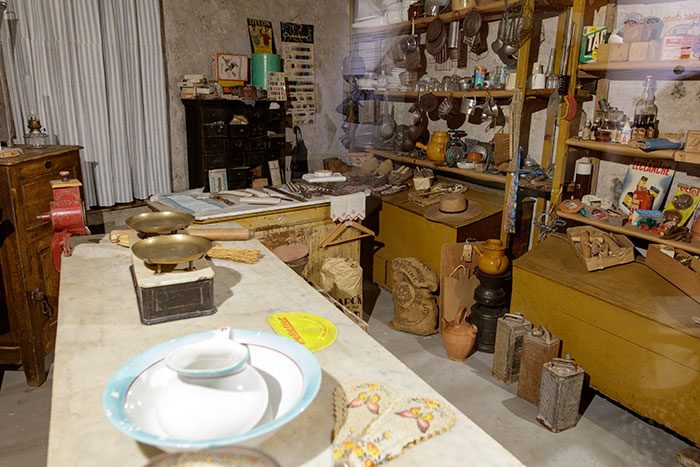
(458, 336)
(493, 260)
(436, 148)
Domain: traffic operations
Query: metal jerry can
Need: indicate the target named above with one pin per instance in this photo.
(560, 394)
(509, 346)
(539, 347)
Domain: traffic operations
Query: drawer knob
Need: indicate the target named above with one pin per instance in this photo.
(48, 164)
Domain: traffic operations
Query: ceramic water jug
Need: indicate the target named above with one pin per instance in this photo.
(436, 148)
(458, 336)
(493, 259)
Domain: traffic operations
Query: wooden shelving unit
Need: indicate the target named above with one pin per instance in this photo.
(489, 11)
(630, 151)
(662, 69)
(470, 174)
(632, 231)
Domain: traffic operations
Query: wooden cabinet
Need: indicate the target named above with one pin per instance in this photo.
(29, 286)
(244, 150)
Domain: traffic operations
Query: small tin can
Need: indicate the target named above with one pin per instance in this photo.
(479, 76)
(560, 394)
(509, 346)
(539, 347)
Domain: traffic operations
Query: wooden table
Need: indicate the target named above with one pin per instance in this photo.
(99, 330)
(403, 231)
(630, 329)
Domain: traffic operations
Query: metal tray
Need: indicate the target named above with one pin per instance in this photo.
(159, 222)
(171, 249)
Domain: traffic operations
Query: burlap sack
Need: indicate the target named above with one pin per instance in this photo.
(415, 308)
(341, 278)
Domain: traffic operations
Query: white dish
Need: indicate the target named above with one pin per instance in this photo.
(290, 371)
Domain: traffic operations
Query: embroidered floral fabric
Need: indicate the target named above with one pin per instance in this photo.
(368, 440)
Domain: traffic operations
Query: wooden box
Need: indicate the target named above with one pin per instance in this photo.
(603, 53)
(638, 51)
(596, 263)
(619, 52)
(686, 279)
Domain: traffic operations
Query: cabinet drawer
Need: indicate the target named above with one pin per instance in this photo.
(238, 131)
(214, 144)
(256, 144)
(275, 144)
(44, 167)
(237, 174)
(218, 128)
(255, 158)
(257, 128)
(237, 184)
(237, 144)
(215, 115)
(215, 161)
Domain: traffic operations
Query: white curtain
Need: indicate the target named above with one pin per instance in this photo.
(93, 72)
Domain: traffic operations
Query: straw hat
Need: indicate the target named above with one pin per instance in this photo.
(453, 208)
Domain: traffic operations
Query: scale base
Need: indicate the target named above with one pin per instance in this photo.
(175, 301)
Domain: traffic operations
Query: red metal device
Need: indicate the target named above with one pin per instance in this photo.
(67, 215)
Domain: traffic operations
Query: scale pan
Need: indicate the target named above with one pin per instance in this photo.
(159, 222)
(171, 249)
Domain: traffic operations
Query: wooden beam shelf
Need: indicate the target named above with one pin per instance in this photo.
(490, 11)
(471, 174)
(632, 231)
(630, 151)
(663, 69)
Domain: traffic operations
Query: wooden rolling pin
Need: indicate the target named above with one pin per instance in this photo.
(235, 233)
(122, 236)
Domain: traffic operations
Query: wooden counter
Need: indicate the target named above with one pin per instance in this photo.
(631, 330)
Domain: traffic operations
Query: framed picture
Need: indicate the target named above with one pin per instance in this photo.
(218, 181)
(692, 141)
(229, 67)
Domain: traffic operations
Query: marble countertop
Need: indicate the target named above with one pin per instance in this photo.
(99, 330)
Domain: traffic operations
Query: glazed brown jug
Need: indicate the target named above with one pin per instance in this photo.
(458, 336)
(493, 260)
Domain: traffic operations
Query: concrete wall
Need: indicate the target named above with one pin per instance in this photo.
(195, 30)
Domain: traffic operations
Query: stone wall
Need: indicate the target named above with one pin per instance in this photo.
(196, 30)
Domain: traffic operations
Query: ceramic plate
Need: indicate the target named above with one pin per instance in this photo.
(240, 457)
(292, 374)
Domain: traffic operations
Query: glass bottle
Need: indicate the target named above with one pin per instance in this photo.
(551, 80)
(645, 111)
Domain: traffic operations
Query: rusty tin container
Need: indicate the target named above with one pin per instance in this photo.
(509, 347)
(560, 394)
(539, 347)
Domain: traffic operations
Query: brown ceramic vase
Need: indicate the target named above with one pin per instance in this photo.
(458, 336)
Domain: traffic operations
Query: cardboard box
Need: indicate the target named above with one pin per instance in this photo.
(638, 51)
(619, 52)
(603, 53)
(685, 278)
(595, 263)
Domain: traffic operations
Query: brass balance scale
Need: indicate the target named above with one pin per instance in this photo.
(171, 277)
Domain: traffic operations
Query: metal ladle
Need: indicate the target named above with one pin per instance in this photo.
(498, 44)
